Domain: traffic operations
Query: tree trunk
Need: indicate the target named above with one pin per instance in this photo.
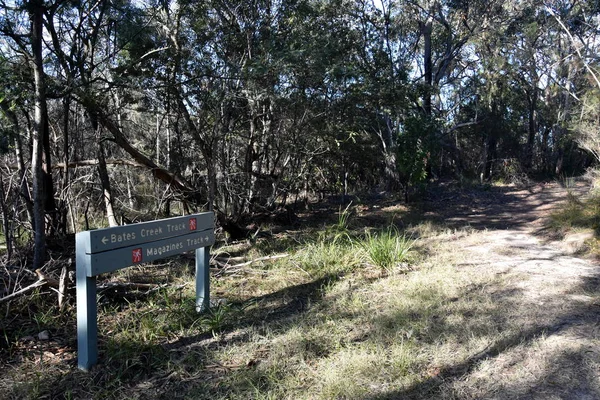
(104, 178)
(490, 157)
(48, 181)
(18, 146)
(65, 173)
(6, 225)
(426, 30)
(40, 125)
(531, 128)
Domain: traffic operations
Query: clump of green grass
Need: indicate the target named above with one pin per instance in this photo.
(325, 257)
(577, 213)
(387, 249)
(340, 230)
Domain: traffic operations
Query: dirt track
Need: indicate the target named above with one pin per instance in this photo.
(556, 293)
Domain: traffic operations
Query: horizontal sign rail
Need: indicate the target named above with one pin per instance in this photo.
(101, 240)
(108, 261)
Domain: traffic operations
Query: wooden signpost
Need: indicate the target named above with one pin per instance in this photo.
(110, 249)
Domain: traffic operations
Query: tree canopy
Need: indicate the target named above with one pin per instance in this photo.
(119, 109)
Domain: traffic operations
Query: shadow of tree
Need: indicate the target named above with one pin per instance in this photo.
(493, 207)
(569, 370)
(280, 311)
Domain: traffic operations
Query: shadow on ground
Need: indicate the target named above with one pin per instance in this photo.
(564, 372)
(488, 208)
(495, 207)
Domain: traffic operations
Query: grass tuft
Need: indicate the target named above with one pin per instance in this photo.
(328, 257)
(387, 249)
(577, 213)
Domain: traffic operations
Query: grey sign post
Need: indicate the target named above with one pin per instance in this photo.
(110, 249)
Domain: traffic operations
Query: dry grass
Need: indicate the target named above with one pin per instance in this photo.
(322, 324)
(325, 323)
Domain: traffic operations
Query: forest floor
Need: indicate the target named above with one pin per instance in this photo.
(497, 303)
(551, 288)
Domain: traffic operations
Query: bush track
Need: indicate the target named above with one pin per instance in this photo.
(556, 292)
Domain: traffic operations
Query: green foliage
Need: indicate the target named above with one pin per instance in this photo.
(325, 257)
(339, 232)
(415, 149)
(216, 317)
(387, 249)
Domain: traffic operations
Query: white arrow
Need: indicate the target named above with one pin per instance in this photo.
(104, 239)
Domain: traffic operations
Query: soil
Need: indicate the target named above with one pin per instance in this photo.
(555, 289)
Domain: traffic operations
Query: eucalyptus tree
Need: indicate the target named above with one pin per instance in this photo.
(21, 26)
(579, 73)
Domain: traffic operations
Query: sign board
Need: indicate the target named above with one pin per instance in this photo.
(101, 240)
(110, 249)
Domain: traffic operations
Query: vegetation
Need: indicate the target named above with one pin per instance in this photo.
(387, 249)
(130, 110)
(273, 114)
(325, 323)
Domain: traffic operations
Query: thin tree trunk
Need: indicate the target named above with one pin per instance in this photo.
(490, 157)
(18, 145)
(37, 172)
(104, 178)
(8, 234)
(531, 128)
(106, 189)
(48, 181)
(426, 29)
(65, 183)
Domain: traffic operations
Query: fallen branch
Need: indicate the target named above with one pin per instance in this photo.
(268, 258)
(62, 288)
(219, 263)
(23, 291)
(232, 269)
(148, 287)
(227, 260)
(49, 281)
(129, 285)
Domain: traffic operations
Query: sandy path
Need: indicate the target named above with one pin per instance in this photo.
(554, 296)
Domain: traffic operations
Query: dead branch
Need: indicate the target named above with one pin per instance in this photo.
(129, 285)
(147, 287)
(88, 163)
(23, 291)
(227, 260)
(220, 263)
(42, 277)
(233, 269)
(268, 258)
(238, 271)
(62, 288)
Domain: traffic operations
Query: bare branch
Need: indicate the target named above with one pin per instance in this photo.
(23, 291)
(574, 44)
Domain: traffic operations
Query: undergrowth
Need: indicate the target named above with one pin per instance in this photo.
(323, 323)
(578, 213)
(387, 249)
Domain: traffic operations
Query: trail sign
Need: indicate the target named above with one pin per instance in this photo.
(105, 250)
